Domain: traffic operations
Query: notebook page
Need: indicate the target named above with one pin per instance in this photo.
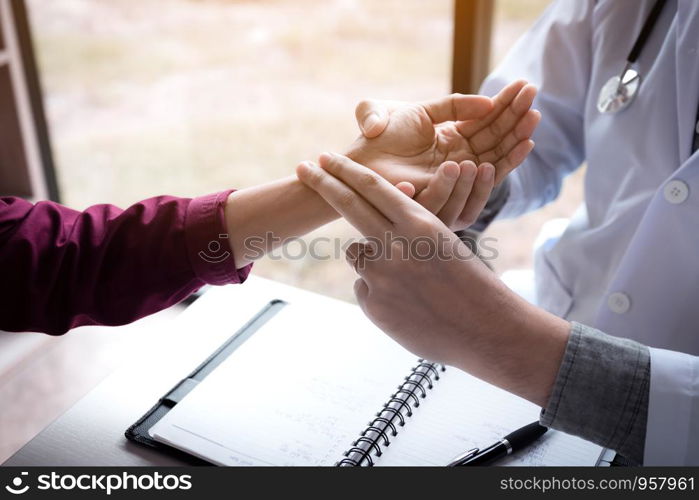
(298, 392)
(462, 412)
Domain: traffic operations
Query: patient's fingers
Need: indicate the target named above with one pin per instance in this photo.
(372, 117)
(457, 107)
(440, 187)
(348, 203)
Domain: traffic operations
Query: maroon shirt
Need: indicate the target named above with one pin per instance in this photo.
(62, 268)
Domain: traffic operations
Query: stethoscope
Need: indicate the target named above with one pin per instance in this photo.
(620, 90)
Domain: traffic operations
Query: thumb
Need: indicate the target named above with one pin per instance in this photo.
(372, 118)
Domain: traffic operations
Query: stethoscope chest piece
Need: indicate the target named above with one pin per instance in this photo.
(619, 91)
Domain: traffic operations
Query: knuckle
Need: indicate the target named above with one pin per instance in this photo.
(423, 222)
(368, 179)
(398, 251)
(314, 177)
(334, 163)
(346, 199)
(352, 250)
(318, 176)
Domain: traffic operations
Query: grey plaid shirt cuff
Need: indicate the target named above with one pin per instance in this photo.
(601, 392)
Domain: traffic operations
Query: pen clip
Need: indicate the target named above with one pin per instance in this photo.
(464, 456)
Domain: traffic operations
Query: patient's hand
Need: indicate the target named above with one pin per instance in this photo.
(408, 142)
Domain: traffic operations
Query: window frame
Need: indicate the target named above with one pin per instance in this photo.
(473, 29)
(35, 176)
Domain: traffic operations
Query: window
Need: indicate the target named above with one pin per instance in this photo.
(200, 96)
(204, 95)
(515, 238)
(26, 167)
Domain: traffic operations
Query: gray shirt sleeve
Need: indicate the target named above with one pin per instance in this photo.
(601, 392)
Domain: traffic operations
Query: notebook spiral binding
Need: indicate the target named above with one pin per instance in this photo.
(393, 415)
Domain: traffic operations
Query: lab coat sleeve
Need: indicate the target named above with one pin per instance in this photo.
(554, 55)
(672, 435)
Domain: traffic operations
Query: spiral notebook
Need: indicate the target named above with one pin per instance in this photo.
(324, 386)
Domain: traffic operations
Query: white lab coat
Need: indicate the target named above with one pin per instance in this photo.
(628, 263)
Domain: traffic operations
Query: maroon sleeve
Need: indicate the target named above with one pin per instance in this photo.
(62, 268)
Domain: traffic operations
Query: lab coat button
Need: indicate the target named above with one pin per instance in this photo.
(676, 192)
(619, 302)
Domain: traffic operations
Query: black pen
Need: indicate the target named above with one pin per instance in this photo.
(514, 441)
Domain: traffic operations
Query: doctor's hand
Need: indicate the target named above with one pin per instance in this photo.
(407, 141)
(456, 193)
(420, 284)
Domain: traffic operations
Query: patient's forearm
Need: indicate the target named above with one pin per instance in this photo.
(261, 218)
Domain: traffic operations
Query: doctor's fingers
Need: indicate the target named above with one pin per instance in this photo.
(347, 202)
(500, 102)
(440, 187)
(457, 201)
(375, 191)
(372, 117)
(488, 137)
(483, 186)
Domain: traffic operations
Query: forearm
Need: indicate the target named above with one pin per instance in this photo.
(264, 217)
(64, 268)
(509, 343)
(590, 384)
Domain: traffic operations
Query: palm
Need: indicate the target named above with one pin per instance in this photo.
(414, 143)
(411, 147)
